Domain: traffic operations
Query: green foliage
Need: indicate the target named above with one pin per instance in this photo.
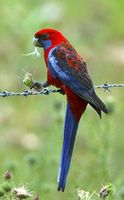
(31, 128)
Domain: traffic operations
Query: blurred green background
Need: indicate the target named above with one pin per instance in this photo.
(31, 128)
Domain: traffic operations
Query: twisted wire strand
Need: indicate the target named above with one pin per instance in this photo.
(47, 91)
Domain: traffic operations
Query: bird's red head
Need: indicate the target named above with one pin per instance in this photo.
(47, 38)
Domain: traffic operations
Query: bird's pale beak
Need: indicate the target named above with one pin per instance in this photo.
(37, 42)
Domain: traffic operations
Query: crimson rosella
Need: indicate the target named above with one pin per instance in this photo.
(68, 71)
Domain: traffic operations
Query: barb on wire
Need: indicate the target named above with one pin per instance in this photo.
(106, 86)
(47, 91)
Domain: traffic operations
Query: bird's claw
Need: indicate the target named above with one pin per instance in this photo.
(61, 91)
(37, 86)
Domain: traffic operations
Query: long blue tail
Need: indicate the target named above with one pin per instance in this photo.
(70, 129)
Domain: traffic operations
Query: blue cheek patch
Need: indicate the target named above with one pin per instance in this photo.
(47, 43)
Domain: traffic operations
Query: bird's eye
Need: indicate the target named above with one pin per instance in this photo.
(44, 36)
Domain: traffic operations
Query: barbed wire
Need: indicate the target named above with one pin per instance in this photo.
(47, 91)
(106, 86)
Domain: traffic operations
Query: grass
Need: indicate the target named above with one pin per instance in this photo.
(31, 128)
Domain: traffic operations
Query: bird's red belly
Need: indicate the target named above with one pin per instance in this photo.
(77, 104)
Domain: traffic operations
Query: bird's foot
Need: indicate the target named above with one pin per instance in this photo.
(37, 86)
(61, 91)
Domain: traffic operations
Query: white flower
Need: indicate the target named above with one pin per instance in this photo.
(21, 192)
(82, 194)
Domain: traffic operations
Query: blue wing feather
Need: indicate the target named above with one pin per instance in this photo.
(60, 68)
(77, 80)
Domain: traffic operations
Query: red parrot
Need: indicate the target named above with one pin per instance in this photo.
(68, 71)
